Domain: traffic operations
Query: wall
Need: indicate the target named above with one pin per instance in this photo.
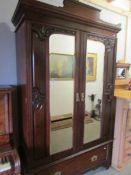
(7, 55)
(115, 18)
(7, 41)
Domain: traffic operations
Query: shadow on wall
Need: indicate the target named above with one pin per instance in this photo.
(7, 56)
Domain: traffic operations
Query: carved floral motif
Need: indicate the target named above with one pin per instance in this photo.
(37, 98)
(44, 32)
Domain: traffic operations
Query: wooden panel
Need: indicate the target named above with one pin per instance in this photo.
(38, 93)
(78, 164)
(4, 125)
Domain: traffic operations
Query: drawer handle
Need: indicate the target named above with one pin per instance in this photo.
(2, 133)
(129, 154)
(94, 158)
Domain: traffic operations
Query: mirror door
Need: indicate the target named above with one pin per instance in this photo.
(61, 91)
(95, 53)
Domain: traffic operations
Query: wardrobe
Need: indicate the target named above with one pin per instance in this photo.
(66, 71)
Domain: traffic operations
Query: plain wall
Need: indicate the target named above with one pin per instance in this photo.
(8, 75)
(7, 56)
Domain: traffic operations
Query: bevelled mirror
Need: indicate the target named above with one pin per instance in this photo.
(93, 90)
(61, 66)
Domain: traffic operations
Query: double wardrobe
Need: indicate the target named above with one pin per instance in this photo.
(66, 71)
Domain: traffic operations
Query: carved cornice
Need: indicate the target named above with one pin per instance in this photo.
(44, 32)
(37, 99)
(108, 42)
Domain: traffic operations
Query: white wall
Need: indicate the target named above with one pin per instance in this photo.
(129, 42)
(115, 18)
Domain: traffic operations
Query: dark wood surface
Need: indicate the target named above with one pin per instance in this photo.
(35, 22)
(7, 150)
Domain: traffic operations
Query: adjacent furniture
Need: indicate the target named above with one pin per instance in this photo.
(9, 159)
(58, 49)
(122, 135)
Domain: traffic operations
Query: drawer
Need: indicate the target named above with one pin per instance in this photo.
(128, 142)
(78, 164)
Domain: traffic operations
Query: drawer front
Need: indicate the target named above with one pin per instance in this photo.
(79, 163)
(128, 142)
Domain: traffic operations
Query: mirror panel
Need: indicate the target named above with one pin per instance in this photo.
(62, 59)
(94, 90)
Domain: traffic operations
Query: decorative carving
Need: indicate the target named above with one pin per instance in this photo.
(109, 91)
(108, 42)
(44, 32)
(37, 98)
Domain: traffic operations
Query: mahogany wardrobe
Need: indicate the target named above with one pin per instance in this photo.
(66, 70)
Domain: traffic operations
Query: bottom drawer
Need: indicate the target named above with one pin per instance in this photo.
(79, 163)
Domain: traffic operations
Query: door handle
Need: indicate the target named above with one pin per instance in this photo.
(77, 97)
(82, 96)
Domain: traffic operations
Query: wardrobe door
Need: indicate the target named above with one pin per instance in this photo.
(95, 53)
(55, 87)
(97, 89)
(62, 91)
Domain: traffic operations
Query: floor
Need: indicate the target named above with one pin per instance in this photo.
(62, 139)
(110, 171)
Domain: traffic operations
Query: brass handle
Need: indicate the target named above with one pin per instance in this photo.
(129, 154)
(94, 158)
(82, 97)
(77, 97)
(2, 132)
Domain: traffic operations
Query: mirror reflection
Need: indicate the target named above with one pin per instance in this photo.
(62, 51)
(94, 90)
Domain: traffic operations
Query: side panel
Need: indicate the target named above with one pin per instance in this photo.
(24, 91)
